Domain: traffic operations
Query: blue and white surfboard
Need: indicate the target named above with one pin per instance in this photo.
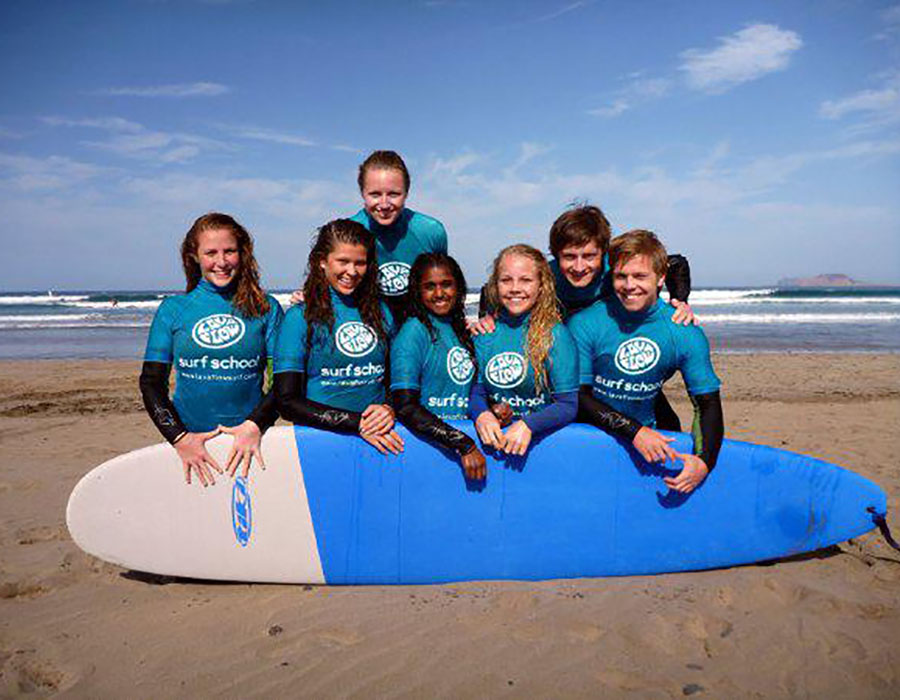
(330, 509)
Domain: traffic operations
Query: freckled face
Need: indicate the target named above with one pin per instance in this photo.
(384, 194)
(438, 290)
(636, 284)
(518, 283)
(218, 256)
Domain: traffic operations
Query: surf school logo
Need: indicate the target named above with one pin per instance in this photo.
(393, 278)
(506, 370)
(459, 365)
(218, 331)
(355, 339)
(241, 513)
(637, 355)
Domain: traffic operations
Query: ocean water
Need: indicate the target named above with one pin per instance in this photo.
(114, 324)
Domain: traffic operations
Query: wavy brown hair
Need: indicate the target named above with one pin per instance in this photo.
(544, 314)
(249, 297)
(383, 160)
(639, 242)
(579, 225)
(317, 291)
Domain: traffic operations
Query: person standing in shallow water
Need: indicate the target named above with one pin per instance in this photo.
(218, 336)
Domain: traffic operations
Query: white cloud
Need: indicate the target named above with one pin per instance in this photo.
(262, 134)
(614, 109)
(30, 174)
(201, 89)
(132, 140)
(562, 11)
(638, 91)
(874, 107)
(748, 54)
(451, 166)
(890, 18)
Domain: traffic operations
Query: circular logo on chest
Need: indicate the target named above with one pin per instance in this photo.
(637, 355)
(506, 370)
(393, 278)
(218, 331)
(459, 365)
(355, 339)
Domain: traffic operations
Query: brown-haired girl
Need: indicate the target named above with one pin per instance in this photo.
(331, 354)
(529, 363)
(218, 335)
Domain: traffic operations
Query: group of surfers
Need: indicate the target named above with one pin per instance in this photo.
(378, 334)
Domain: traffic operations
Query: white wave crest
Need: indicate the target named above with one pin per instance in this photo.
(799, 318)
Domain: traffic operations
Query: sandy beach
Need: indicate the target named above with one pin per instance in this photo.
(825, 625)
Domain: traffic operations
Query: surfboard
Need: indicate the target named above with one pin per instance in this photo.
(330, 509)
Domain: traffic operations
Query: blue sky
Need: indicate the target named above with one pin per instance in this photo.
(760, 139)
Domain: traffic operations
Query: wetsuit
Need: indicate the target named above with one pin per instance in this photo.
(219, 356)
(328, 378)
(397, 247)
(431, 376)
(505, 375)
(626, 357)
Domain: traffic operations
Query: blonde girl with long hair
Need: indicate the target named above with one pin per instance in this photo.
(528, 367)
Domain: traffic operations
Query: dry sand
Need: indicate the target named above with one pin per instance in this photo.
(825, 625)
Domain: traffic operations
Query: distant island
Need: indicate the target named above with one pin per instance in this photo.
(824, 280)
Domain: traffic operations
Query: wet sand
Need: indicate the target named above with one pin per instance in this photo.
(825, 625)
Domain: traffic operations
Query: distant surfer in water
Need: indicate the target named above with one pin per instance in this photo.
(401, 234)
(330, 364)
(529, 364)
(218, 336)
(579, 240)
(433, 360)
(628, 347)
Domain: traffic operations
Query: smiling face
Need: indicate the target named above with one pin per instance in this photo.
(636, 284)
(438, 290)
(384, 194)
(580, 264)
(345, 266)
(218, 256)
(518, 283)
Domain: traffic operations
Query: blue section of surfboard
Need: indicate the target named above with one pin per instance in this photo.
(330, 509)
(580, 504)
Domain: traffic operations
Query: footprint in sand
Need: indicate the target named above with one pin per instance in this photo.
(339, 637)
(21, 589)
(42, 533)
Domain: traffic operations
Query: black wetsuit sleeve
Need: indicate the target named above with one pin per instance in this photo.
(678, 278)
(266, 412)
(154, 383)
(666, 418)
(592, 410)
(423, 422)
(290, 396)
(709, 427)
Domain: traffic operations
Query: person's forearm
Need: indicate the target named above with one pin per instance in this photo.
(265, 413)
(559, 413)
(709, 427)
(290, 395)
(594, 411)
(154, 384)
(678, 278)
(423, 422)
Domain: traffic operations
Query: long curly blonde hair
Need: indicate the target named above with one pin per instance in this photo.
(544, 314)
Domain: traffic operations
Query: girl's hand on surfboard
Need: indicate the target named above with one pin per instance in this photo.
(482, 326)
(693, 474)
(474, 465)
(503, 412)
(654, 446)
(244, 448)
(388, 442)
(194, 457)
(488, 428)
(518, 438)
(684, 314)
(378, 418)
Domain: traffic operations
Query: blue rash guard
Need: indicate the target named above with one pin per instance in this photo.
(441, 370)
(346, 366)
(503, 375)
(627, 357)
(219, 355)
(398, 245)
